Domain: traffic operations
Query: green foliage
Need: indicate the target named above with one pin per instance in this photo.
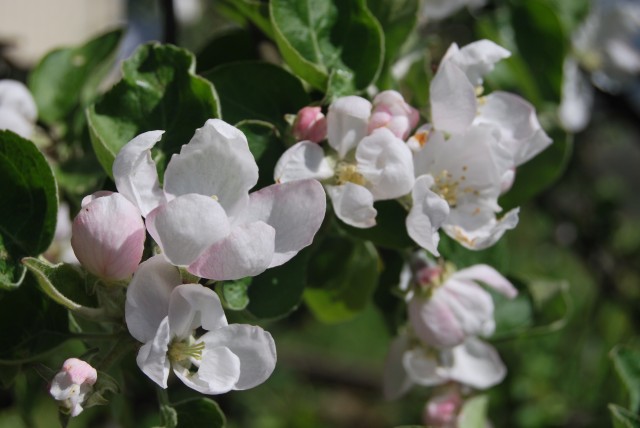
(317, 37)
(29, 205)
(200, 413)
(158, 91)
(474, 412)
(254, 90)
(398, 20)
(266, 147)
(390, 230)
(626, 359)
(33, 324)
(623, 418)
(67, 77)
(343, 274)
(234, 294)
(278, 291)
(230, 46)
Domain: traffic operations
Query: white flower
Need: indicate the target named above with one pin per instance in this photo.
(363, 169)
(165, 315)
(18, 111)
(469, 152)
(391, 111)
(72, 384)
(204, 218)
(454, 307)
(440, 9)
(473, 363)
(574, 111)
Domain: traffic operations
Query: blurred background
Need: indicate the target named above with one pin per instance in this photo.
(577, 245)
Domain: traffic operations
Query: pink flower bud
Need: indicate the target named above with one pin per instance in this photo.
(391, 111)
(428, 275)
(310, 125)
(72, 384)
(441, 411)
(108, 235)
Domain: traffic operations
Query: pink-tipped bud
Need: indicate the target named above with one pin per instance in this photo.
(310, 125)
(428, 275)
(391, 111)
(442, 411)
(72, 384)
(108, 236)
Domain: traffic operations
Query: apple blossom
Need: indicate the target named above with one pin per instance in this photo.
(310, 124)
(390, 110)
(166, 316)
(441, 411)
(439, 9)
(473, 363)
(452, 306)
(72, 384)
(108, 235)
(359, 170)
(18, 111)
(204, 217)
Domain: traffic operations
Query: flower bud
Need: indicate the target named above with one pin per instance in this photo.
(391, 111)
(72, 384)
(108, 236)
(442, 410)
(18, 110)
(310, 124)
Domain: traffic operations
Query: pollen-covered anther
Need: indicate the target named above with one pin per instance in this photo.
(447, 187)
(348, 173)
(184, 351)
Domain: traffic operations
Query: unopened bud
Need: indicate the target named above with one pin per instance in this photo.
(72, 384)
(310, 124)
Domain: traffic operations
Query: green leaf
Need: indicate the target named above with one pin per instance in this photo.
(200, 413)
(232, 45)
(234, 294)
(159, 90)
(254, 90)
(343, 274)
(496, 256)
(66, 285)
(265, 145)
(316, 37)
(29, 205)
(278, 291)
(390, 230)
(67, 77)
(398, 19)
(474, 412)
(542, 43)
(33, 324)
(255, 11)
(626, 360)
(541, 172)
(623, 418)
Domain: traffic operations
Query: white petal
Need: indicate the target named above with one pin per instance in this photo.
(295, 210)
(477, 59)
(453, 100)
(574, 110)
(477, 364)
(386, 163)
(216, 162)
(489, 276)
(247, 251)
(347, 123)
(426, 150)
(396, 381)
(480, 230)
(218, 372)
(135, 174)
(13, 121)
(422, 368)
(516, 120)
(254, 347)
(192, 306)
(152, 356)
(187, 226)
(353, 204)
(148, 294)
(302, 160)
(14, 95)
(427, 214)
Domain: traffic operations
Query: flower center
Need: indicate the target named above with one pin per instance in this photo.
(449, 188)
(347, 172)
(185, 350)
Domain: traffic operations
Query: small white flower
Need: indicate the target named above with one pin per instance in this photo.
(72, 384)
(165, 316)
(359, 170)
(18, 111)
(204, 217)
(440, 9)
